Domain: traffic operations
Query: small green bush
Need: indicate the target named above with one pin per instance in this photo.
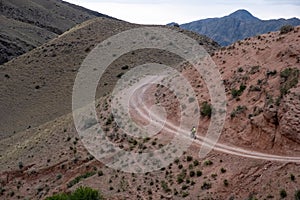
(180, 179)
(185, 194)
(192, 173)
(100, 173)
(272, 73)
(79, 178)
(240, 69)
(239, 109)
(290, 76)
(21, 165)
(286, 28)
(184, 187)
(206, 186)
(254, 69)
(206, 109)
(81, 193)
(297, 195)
(236, 93)
(226, 182)
(208, 162)
(292, 177)
(283, 193)
(223, 170)
(196, 162)
(165, 186)
(189, 158)
(199, 173)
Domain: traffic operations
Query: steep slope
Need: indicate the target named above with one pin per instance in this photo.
(37, 87)
(28, 24)
(268, 65)
(51, 158)
(236, 26)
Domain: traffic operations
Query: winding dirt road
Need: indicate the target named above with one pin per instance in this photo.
(147, 114)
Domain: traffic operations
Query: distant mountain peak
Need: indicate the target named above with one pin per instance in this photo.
(243, 15)
(236, 26)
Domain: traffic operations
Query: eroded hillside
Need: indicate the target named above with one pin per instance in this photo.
(261, 80)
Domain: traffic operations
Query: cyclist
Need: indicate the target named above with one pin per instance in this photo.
(193, 133)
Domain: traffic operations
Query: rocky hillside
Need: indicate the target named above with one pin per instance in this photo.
(236, 26)
(34, 92)
(28, 24)
(260, 75)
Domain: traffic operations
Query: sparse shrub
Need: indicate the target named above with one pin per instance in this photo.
(196, 162)
(226, 182)
(238, 110)
(184, 187)
(271, 73)
(208, 162)
(214, 176)
(109, 120)
(240, 69)
(286, 29)
(189, 158)
(100, 173)
(292, 177)
(79, 178)
(297, 195)
(235, 93)
(199, 173)
(259, 81)
(180, 166)
(120, 75)
(206, 109)
(255, 88)
(206, 186)
(125, 67)
(180, 177)
(223, 170)
(192, 173)
(59, 176)
(254, 69)
(290, 76)
(185, 194)
(21, 165)
(283, 193)
(2, 190)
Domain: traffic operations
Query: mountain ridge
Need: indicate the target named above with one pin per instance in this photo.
(236, 26)
(28, 24)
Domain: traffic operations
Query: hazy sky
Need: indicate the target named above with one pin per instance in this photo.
(182, 11)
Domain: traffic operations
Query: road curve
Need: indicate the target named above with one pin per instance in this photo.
(137, 103)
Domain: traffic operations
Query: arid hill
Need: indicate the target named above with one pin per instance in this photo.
(34, 93)
(261, 79)
(26, 25)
